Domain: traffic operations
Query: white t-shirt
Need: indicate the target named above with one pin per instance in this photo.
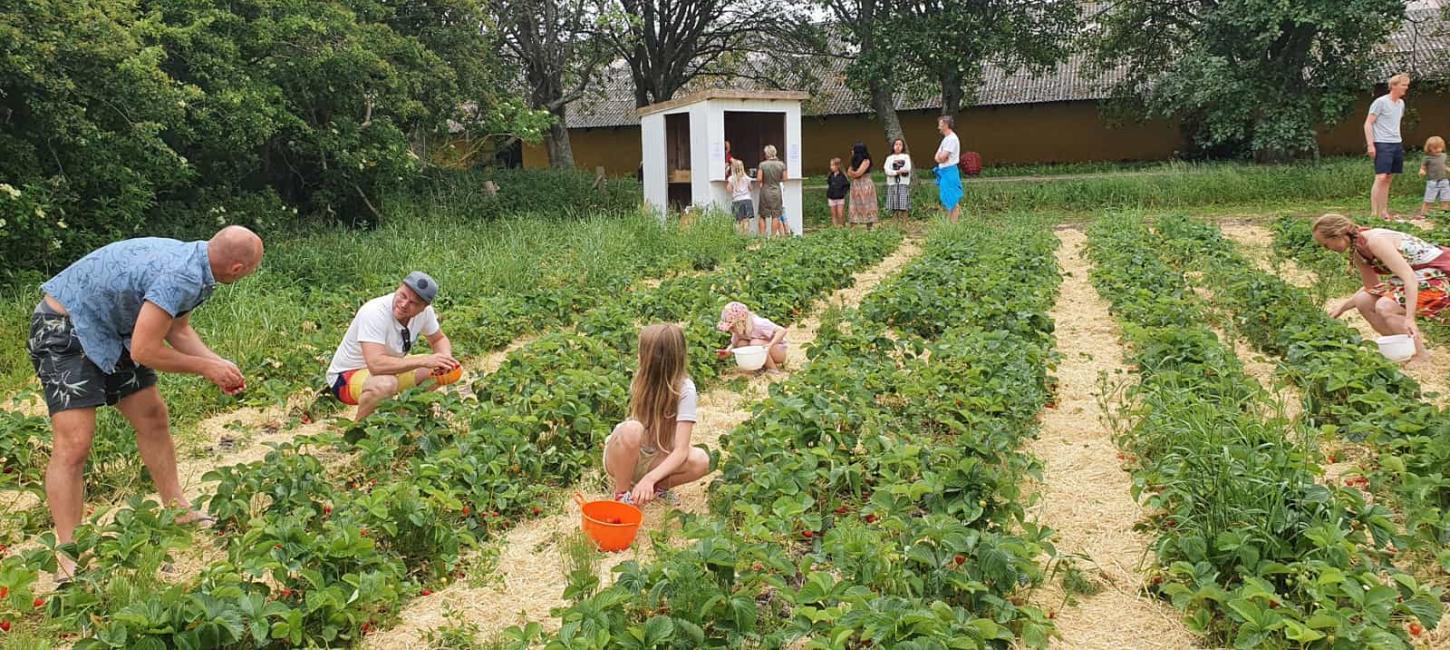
(374, 323)
(739, 188)
(896, 176)
(953, 146)
(1387, 124)
(686, 410)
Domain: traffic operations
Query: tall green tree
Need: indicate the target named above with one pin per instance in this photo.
(669, 43)
(1245, 76)
(949, 43)
(870, 71)
(551, 42)
(120, 117)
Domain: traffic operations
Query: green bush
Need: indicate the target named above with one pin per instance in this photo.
(546, 192)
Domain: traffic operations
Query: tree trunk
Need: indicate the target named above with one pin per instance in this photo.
(556, 140)
(884, 104)
(951, 93)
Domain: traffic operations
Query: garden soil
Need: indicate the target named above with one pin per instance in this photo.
(530, 568)
(1085, 496)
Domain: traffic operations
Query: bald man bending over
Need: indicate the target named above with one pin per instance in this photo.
(99, 336)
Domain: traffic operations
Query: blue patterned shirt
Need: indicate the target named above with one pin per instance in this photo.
(104, 291)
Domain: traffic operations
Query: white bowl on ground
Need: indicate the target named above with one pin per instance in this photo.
(750, 357)
(1396, 347)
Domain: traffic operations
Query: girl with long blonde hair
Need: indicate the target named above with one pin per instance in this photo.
(650, 452)
(1403, 276)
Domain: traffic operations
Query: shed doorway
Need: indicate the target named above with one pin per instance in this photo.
(677, 160)
(749, 131)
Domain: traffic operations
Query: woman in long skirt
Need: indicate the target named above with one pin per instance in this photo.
(864, 207)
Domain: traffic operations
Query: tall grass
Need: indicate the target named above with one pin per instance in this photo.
(1171, 186)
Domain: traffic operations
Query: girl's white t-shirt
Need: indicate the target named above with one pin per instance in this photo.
(740, 188)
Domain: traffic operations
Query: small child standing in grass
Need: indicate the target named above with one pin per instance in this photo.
(1437, 184)
(650, 452)
(837, 186)
(746, 328)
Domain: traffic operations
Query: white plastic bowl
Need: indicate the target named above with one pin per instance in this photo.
(750, 357)
(1396, 347)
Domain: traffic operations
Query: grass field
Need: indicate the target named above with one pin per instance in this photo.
(1107, 411)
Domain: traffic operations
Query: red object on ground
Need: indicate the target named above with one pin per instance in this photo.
(970, 162)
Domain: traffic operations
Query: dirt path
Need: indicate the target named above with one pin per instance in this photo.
(530, 578)
(1085, 496)
(1256, 243)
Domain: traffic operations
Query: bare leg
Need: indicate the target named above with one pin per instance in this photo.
(769, 357)
(621, 454)
(1424, 210)
(955, 213)
(64, 476)
(1364, 303)
(1394, 317)
(694, 469)
(374, 391)
(1380, 196)
(147, 413)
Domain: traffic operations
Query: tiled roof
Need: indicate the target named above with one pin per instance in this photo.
(1419, 46)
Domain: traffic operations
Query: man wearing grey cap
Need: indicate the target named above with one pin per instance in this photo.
(372, 362)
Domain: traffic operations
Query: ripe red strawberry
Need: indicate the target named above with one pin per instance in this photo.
(5, 626)
(1051, 615)
(466, 510)
(363, 532)
(960, 559)
(327, 511)
(367, 628)
(870, 519)
(427, 592)
(808, 534)
(287, 592)
(1416, 629)
(4, 592)
(536, 511)
(841, 510)
(39, 602)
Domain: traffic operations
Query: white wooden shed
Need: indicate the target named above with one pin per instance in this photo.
(683, 145)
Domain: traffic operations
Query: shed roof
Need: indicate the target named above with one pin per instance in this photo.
(724, 93)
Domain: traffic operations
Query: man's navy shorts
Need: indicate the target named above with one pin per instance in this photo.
(1389, 157)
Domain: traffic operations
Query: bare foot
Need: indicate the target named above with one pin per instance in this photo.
(197, 517)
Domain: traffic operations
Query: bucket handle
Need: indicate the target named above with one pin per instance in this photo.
(579, 498)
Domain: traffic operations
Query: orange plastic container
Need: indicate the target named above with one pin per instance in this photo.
(449, 377)
(611, 524)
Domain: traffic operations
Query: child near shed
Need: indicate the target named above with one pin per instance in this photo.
(650, 452)
(741, 203)
(837, 186)
(1437, 184)
(746, 328)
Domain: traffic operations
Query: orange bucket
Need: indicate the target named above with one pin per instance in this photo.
(611, 524)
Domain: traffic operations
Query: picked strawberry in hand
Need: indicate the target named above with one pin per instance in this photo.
(722, 354)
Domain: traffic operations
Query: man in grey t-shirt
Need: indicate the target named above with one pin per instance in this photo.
(1384, 144)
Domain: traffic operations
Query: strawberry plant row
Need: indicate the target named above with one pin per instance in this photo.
(1249, 546)
(1348, 388)
(293, 361)
(890, 516)
(320, 556)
